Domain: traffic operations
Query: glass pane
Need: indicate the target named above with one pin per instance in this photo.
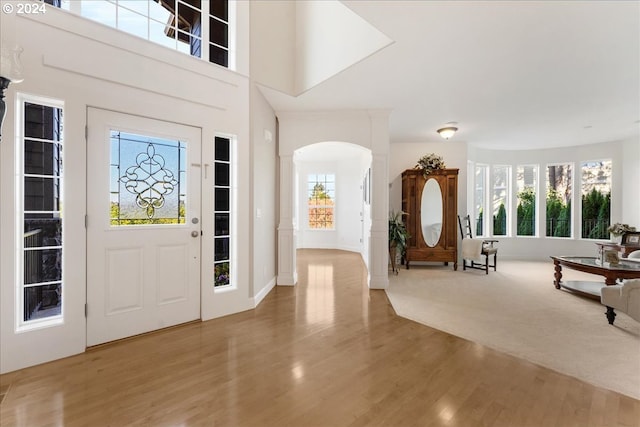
(596, 199)
(183, 47)
(142, 7)
(219, 9)
(42, 122)
(222, 151)
(146, 180)
(221, 248)
(42, 231)
(194, 4)
(157, 34)
(526, 181)
(222, 174)
(189, 18)
(41, 194)
(221, 274)
(132, 23)
(499, 199)
(221, 197)
(189, 43)
(478, 198)
(42, 301)
(558, 206)
(321, 193)
(42, 158)
(158, 12)
(101, 11)
(218, 32)
(42, 265)
(218, 55)
(222, 224)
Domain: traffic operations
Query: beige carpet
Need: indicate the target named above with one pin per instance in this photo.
(518, 311)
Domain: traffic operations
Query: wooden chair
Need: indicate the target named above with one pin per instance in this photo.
(487, 248)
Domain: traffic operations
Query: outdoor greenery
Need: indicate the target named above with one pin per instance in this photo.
(221, 274)
(558, 215)
(117, 220)
(526, 212)
(321, 207)
(596, 214)
(500, 221)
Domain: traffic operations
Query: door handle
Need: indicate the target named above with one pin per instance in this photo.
(194, 233)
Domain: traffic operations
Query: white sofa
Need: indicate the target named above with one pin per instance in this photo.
(624, 298)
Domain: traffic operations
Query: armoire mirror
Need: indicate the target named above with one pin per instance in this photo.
(431, 212)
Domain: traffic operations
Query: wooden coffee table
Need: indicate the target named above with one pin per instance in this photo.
(611, 273)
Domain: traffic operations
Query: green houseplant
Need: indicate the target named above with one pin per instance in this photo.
(398, 237)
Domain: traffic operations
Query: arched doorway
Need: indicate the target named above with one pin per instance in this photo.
(332, 202)
(364, 130)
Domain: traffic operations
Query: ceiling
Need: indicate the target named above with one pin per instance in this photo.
(512, 74)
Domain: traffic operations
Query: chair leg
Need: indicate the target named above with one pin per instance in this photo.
(495, 261)
(611, 315)
(486, 264)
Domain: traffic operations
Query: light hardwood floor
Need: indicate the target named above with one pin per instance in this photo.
(327, 352)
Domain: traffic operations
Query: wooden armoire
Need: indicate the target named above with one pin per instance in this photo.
(432, 215)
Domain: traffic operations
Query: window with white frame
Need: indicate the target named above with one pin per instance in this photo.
(40, 189)
(500, 199)
(481, 173)
(596, 198)
(223, 203)
(321, 195)
(526, 183)
(558, 203)
(200, 28)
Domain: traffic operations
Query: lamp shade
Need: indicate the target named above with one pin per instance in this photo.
(10, 65)
(447, 132)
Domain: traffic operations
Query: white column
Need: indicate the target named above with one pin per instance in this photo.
(287, 274)
(379, 254)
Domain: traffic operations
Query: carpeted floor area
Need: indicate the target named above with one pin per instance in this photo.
(517, 310)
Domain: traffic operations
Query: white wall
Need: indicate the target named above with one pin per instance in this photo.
(405, 155)
(264, 195)
(330, 37)
(273, 36)
(631, 182)
(86, 64)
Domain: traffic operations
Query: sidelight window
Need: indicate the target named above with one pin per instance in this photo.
(223, 203)
(40, 189)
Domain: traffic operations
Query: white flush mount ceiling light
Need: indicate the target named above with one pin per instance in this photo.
(447, 132)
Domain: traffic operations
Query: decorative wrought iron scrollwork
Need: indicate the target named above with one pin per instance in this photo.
(149, 181)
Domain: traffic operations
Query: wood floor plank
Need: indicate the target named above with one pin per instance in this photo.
(327, 352)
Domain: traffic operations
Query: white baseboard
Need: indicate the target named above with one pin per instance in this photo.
(264, 292)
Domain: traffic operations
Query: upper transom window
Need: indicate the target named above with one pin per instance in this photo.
(197, 27)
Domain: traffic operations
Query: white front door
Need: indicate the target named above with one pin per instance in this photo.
(143, 225)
